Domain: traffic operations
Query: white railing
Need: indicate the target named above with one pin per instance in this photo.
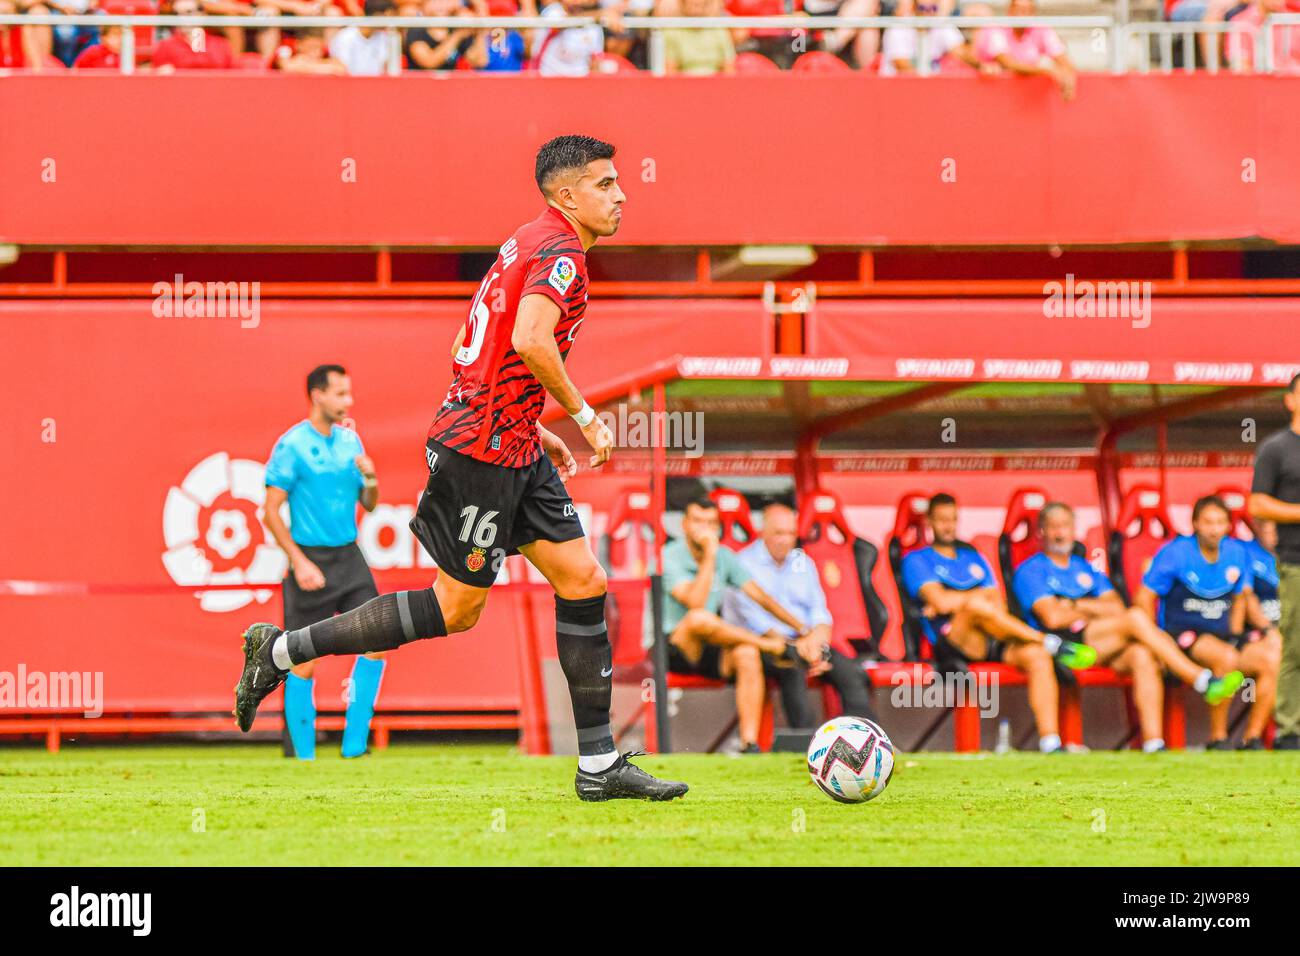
(1117, 36)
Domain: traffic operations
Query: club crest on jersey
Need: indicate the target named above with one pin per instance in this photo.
(476, 559)
(562, 274)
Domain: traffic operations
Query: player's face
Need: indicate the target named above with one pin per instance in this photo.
(699, 523)
(1058, 532)
(1212, 526)
(599, 199)
(779, 533)
(943, 523)
(335, 400)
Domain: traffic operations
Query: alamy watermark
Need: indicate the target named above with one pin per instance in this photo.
(55, 690)
(638, 428)
(1098, 300)
(208, 300)
(946, 690)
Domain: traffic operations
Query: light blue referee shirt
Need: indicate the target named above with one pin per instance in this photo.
(322, 481)
(793, 584)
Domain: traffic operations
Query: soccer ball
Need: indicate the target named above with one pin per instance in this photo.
(851, 759)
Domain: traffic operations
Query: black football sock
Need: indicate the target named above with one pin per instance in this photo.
(381, 624)
(587, 661)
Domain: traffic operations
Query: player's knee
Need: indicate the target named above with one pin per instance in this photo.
(746, 658)
(698, 621)
(981, 606)
(1142, 662)
(1036, 659)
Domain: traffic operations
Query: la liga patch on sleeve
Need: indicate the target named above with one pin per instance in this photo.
(562, 274)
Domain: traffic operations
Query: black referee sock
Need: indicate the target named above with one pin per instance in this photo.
(587, 661)
(381, 624)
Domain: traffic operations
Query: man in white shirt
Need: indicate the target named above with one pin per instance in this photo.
(568, 52)
(364, 50)
(900, 45)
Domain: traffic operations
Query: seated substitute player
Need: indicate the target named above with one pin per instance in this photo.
(1061, 594)
(321, 468)
(494, 488)
(1201, 581)
(965, 619)
(697, 572)
(1263, 639)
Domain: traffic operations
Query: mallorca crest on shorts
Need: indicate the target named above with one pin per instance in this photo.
(476, 559)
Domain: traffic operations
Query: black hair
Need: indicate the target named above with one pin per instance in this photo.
(1047, 510)
(319, 377)
(701, 501)
(1210, 501)
(1295, 380)
(567, 152)
(376, 7)
(941, 498)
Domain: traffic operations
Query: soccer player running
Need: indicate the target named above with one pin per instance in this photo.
(1060, 593)
(1201, 581)
(496, 476)
(321, 469)
(965, 619)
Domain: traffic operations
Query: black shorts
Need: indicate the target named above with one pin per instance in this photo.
(948, 657)
(473, 515)
(709, 665)
(1187, 641)
(348, 584)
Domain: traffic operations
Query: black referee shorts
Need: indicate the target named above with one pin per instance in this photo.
(473, 515)
(348, 585)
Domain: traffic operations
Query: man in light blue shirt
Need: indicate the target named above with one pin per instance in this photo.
(321, 469)
(790, 577)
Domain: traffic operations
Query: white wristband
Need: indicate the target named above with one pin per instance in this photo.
(584, 415)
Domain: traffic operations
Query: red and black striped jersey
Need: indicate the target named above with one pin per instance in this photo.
(492, 407)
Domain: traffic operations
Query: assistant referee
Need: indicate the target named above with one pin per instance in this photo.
(1275, 496)
(320, 467)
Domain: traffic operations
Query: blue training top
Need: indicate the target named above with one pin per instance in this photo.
(322, 480)
(1040, 577)
(1196, 595)
(1264, 578)
(964, 572)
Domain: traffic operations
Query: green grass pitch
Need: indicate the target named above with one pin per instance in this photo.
(425, 804)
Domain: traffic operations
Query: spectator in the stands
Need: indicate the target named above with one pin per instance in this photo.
(786, 573)
(502, 50)
(11, 38)
(1202, 583)
(1026, 51)
(1060, 593)
(104, 55)
(569, 51)
(965, 619)
(311, 55)
(441, 48)
(697, 572)
(775, 44)
(701, 52)
(1245, 22)
(859, 46)
(191, 48)
(266, 39)
(364, 50)
(945, 46)
(1201, 11)
(64, 43)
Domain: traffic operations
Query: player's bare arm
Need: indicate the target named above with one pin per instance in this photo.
(1267, 508)
(533, 338)
(308, 576)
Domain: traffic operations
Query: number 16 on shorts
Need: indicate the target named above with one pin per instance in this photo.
(480, 533)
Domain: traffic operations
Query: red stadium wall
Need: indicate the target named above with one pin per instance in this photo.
(252, 160)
